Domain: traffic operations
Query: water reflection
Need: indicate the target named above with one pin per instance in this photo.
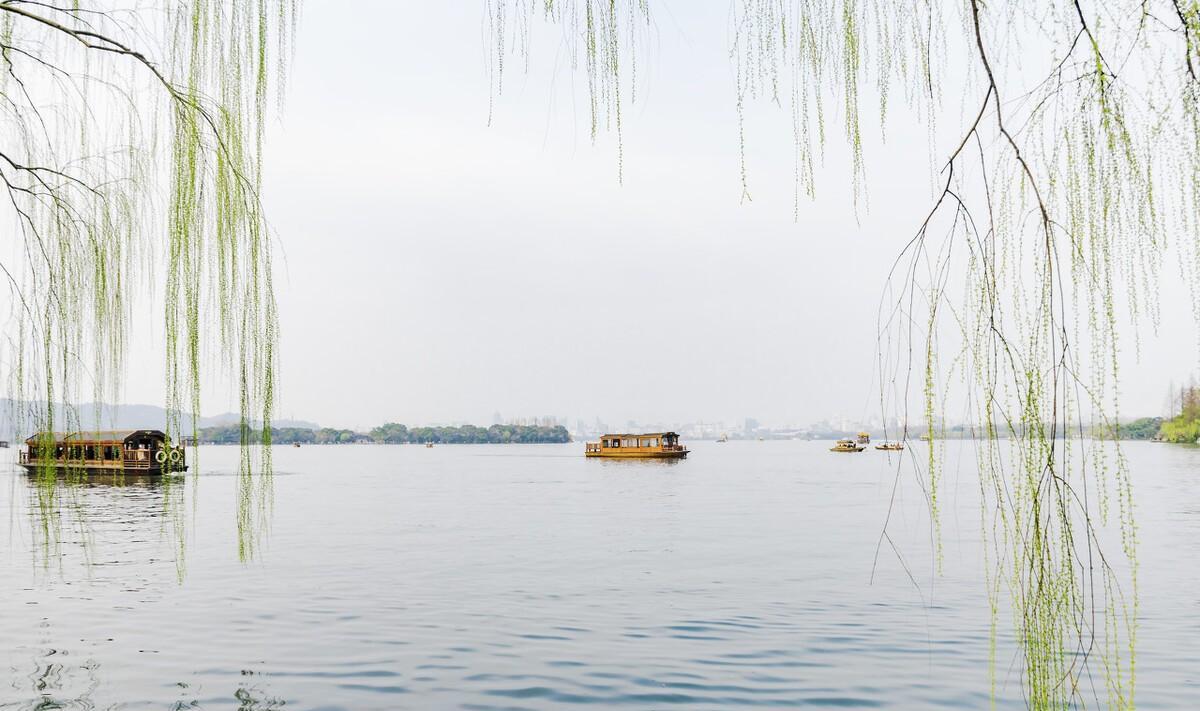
(648, 463)
(73, 518)
(251, 698)
(54, 682)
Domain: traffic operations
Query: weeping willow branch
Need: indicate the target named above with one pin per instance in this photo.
(132, 159)
(1055, 195)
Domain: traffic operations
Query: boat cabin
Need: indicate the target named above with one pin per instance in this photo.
(652, 445)
(111, 451)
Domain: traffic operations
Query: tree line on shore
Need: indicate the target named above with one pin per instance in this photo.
(392, 433)
(1184, 427)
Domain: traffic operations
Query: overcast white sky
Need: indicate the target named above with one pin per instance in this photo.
(436, 269)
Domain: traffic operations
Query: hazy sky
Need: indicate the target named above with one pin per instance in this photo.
(436, 269)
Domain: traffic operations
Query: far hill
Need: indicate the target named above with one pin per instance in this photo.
(121, 417)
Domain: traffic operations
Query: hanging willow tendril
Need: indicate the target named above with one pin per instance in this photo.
(1075, 157)
(131, 161)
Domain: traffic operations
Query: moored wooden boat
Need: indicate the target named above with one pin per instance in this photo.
(653, 445)
(143, 452)
(888, 446)
(847, 445)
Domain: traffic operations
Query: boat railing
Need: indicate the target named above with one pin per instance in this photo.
(592, 447)
(138, 458)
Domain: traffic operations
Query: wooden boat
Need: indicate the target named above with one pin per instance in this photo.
(864, 437)
(723, 438)
(144, 452)
(653, 445)
(890, 446)
(847, 445)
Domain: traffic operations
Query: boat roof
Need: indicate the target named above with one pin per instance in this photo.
(94, 436)
(642, 434)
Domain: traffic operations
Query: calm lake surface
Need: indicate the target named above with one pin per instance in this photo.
(527, 577)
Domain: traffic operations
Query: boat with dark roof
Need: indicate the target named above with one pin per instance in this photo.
(143, 452)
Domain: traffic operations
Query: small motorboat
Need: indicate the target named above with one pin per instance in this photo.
(847, 445)
(889, 446)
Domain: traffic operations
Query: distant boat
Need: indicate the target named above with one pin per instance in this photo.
(295, 444)
(847, 445)
(723, 438)
(653, 445)
(429, 445)
(890, 446)
(864, 437)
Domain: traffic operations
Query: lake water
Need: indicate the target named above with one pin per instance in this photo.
(527, 577)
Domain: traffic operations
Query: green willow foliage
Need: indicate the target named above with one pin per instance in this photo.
(132, 158)
(1074, 159)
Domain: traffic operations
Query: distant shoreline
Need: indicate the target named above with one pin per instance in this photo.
(390, 433)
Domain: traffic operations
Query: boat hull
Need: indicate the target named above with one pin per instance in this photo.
(633, 454)
(103, 471)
